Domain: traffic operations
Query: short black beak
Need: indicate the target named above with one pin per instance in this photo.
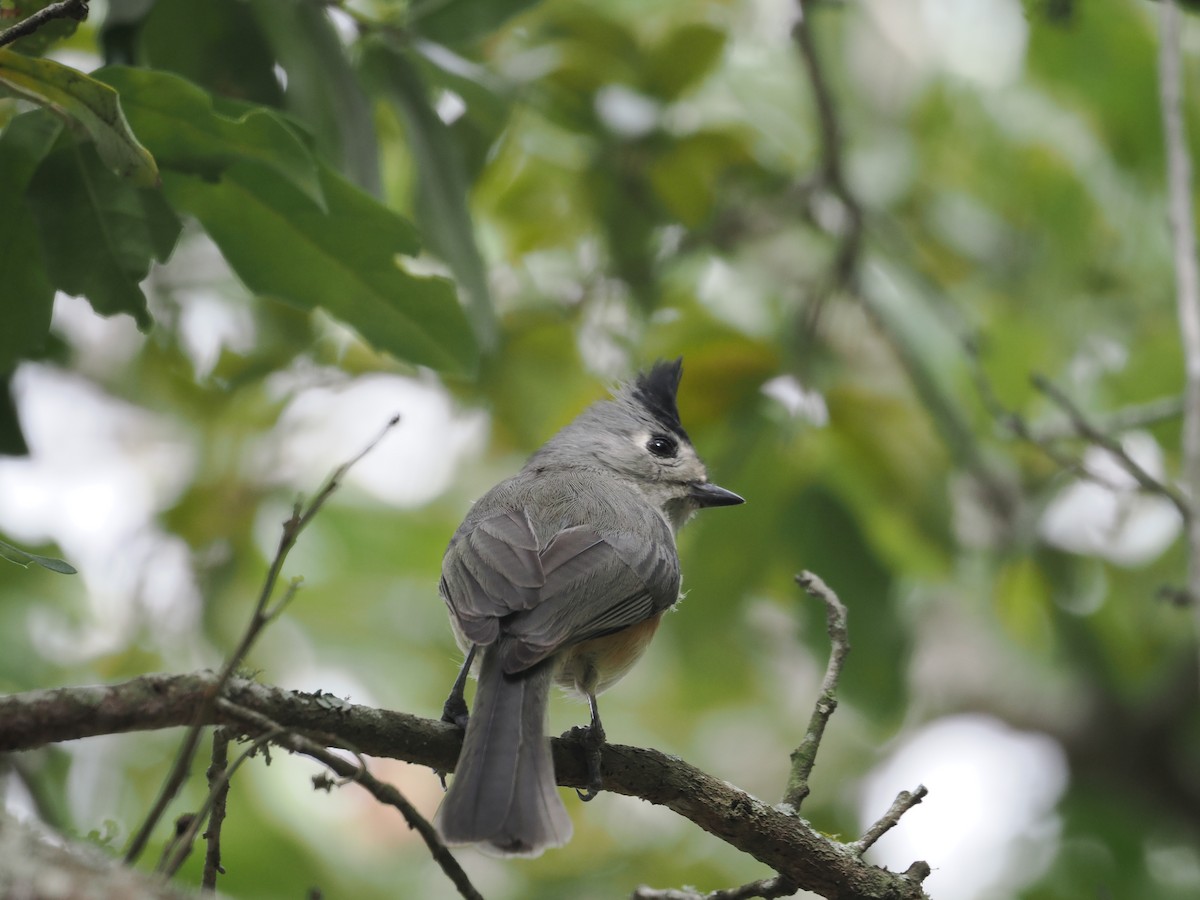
(706, 494)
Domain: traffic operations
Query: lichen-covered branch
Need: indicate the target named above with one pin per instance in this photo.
(64, 9)
(778, 839)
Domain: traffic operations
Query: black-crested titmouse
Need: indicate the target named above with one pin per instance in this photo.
(560, 575)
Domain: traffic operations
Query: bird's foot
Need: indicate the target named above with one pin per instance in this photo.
(593, 739)
(455, 711)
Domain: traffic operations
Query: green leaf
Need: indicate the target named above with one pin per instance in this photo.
(322, 88)
(342, 260)
(216, 44)
(25, 315)
(12, 441)
(683, 59)
(441, 182)
(688, 173)
(177, 121)
(25, 560)
(462, 21)
(86, 102)
(99, 233)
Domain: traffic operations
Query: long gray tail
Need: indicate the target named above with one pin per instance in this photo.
(503, 793)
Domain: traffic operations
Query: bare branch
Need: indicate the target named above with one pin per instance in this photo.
(261, 617)
(768, 888)
(177, 852)
(1127, 418)
(903, 803)
(1105, 441)
(65, 9)
(831, 176)
(218, 785)
(1187, 271)
(384, 793)
(781, 841)
(805, 755)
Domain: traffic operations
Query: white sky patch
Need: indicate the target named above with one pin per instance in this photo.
(626, 112)
(988, 825)
(98, 473)
(797, 400)
(724, 291)
(450, 106)
(101, 344)
(210, 322)
(1111, 518)
(901, 45)
(324, 426)
(979, 40)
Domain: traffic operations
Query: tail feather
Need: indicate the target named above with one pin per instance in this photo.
(503, 793)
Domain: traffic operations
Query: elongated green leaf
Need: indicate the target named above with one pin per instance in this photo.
(98, 232)
(85, 101)
(12, 441)
(441, 183)
(683, 59)
(462, 21)
(322, 87)
(177, 121)
(29, 295)
(216, 44)
(342, 260)
(24, 559)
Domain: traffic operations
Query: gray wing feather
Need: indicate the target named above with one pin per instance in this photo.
(491, 570)
(501, 587)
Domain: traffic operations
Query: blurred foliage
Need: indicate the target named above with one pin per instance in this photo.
(532, 199)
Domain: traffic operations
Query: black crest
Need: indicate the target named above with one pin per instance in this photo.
(656, 391)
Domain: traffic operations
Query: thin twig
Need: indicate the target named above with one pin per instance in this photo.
(903, 803)
(219, 789)
(64, 9)
(1187, 271)
(1127, 418)
(261, 616)
(177, 853)
(1076, 427)
(844, 274)
(1016, 424)
(768, 888)
(831, 176)
(381, 791)
(1115, 448)
(805, 755)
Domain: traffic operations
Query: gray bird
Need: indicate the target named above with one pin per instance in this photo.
(561, 574)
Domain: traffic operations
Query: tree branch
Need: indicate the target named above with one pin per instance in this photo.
(903, 803)
(263, 614)
(218, 786)
(65, 9)
(1105, 441)
(766, 888)
(779, 840)
(381, 791)
(33, 867)
(805, 755)
(844, 269)
(1187, 273)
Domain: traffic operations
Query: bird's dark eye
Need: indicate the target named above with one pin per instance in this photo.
(662, 446)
